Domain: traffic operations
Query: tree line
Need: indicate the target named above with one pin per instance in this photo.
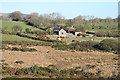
(56, 19)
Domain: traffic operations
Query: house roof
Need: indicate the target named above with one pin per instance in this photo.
(77, 30)
(57, 29)
(48, 27)
(70, 29)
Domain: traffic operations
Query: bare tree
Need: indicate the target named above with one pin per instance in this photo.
(15, 15)
(56, 18)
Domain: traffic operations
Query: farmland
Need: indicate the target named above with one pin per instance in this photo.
(6, 37)
(10, 24)
(32, 53)
(104, 27)
(97, 39)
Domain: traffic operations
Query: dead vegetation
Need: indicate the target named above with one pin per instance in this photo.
(103, 63)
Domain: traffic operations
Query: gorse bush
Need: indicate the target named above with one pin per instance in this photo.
(39, 32)
(43, 73)
(15, 49)
(34, 69)
(108, 45)
(20, 62)
(19, 71)
(23, 49)
(84, 45)
(47, 72)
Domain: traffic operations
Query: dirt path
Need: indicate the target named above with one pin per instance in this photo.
(106, 62)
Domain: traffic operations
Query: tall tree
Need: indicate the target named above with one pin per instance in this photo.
(16, 15)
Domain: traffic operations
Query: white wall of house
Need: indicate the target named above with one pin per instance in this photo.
(76, 33)
(62, 32)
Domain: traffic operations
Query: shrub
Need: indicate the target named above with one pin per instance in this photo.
(2, 60)
(24, 49)
(108, 45)
(16, 28)
(15, 49)
(27, 30)
(32, 49)
(72, 72)
(20, 62)
(28, 49)
(34, 68)
(42, 73)
(6, 48)
(19, 71)
(107, 34)
(3, 71)
(39, 32)
(63, 71)
(27, 71)
(84, 45)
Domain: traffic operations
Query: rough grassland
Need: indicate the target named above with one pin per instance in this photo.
(105, 61)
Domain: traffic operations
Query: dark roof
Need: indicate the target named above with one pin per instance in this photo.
(57, 29)
(48, 27)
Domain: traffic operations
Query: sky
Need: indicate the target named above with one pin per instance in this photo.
(68, 9)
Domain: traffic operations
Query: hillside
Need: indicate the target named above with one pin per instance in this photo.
(102, 26)
(6, 37)
(10, 24)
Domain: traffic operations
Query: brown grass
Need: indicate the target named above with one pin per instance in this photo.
(47, 56)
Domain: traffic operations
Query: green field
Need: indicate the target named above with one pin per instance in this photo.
(6, 37)
(113, 26)
(10, 24)
(69, 40)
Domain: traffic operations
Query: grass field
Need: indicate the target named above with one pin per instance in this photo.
(6, 37)
(69, 40)
(10, 24)
(113, 26)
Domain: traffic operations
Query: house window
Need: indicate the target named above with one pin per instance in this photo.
(62, 32)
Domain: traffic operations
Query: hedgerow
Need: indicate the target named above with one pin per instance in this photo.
(108, 45)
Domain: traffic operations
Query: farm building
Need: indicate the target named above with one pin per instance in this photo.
(72, 30)
(77, 32)
(91, 34)
(60, 31)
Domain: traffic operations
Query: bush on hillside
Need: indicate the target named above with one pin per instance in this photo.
(39, 32)
(16, 28)
(107, 34)
(84, 45)
(20, 62)
(15, 49)
(108, 45)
